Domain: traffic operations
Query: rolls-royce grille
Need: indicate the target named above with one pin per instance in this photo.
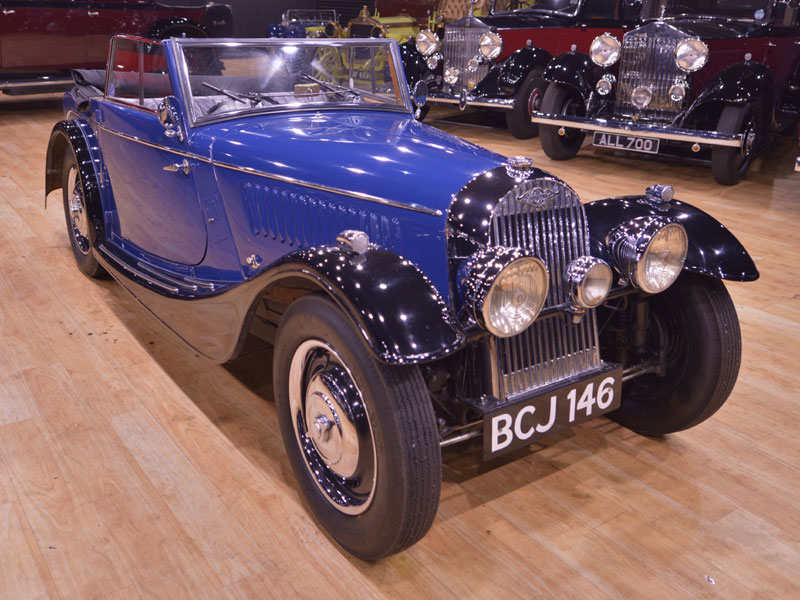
(460, 45)
(648, 60)
(546, 217)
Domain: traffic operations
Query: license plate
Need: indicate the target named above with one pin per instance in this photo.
(626, 142)
(513, 425)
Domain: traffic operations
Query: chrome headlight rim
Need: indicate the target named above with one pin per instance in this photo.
(426, 42)
(490, 45)
(641, 105)
(605, 85)
(605, 43)
(578, 276)
(631, 244)
(451, 75)
(697, 45)
(485, 272)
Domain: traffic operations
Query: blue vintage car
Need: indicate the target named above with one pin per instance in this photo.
(419, 290)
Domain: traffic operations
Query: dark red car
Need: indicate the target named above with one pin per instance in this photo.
(40, 42)
(715, 79)
(497, 61)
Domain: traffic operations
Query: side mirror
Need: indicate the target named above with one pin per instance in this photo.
(419, 95)
(169, 117)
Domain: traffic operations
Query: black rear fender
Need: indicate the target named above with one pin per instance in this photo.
(79, 137)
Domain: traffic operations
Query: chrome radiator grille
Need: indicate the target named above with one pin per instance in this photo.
(460, 45)
(648, 59)
(546, 217)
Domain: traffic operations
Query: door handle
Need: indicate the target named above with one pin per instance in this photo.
(183, 166)
(8, 11)
(92, 13)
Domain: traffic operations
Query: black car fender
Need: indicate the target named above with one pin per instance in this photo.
(574, 69)
(160, 29)
(78, 135)
(713, 249)
(741, 83)
(397, 309)
(414, 63)
(218, 20)
(514, 70)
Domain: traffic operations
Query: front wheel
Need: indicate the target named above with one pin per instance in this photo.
(694, 330)
(527, 100)
(730, 165)
(560, 143)
(361, 435)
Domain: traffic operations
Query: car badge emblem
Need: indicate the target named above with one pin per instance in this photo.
(537, 197)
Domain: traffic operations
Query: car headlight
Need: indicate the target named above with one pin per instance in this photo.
(650, 252)
(605, 84)
(677, 92)
(427, 42)
(605, 50)
(641, 96)
(589, 280)
(451, 75)
(505, 289)
(691, 55)
(490, 45)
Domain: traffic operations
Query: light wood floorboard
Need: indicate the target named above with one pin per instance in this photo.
(132, 468)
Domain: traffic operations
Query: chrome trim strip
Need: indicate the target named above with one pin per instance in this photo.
(282, 178)
(506, 103)
(150, 280)
(710, 138)
(28, 83)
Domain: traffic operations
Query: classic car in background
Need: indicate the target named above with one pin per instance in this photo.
(41, 42)
(420, 10)
(302, 22)
(714, 78)
(497, 61)
(399, 27)
(419, 290)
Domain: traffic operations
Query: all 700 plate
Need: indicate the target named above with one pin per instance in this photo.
(626, 142)
(516, 424)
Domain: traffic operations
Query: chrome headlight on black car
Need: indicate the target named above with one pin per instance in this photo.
(490, 45)
(691, 55)
(649, 252)
(589, 280)
(427, 42)
(605, 50)
(505, 289)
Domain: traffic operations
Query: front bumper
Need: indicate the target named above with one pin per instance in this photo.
(691, 136)
(465, 99)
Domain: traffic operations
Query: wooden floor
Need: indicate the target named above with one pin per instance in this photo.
(130, 467)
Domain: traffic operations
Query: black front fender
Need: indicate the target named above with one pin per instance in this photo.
(73, 134)
(399, 312)
(516, 67)
(713, 249)
(574, 69)
(160, 29)
(741, 83)
(414, 63)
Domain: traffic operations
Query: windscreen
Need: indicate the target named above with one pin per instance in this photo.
(565, 7)
(746, 10)
(235, 79)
